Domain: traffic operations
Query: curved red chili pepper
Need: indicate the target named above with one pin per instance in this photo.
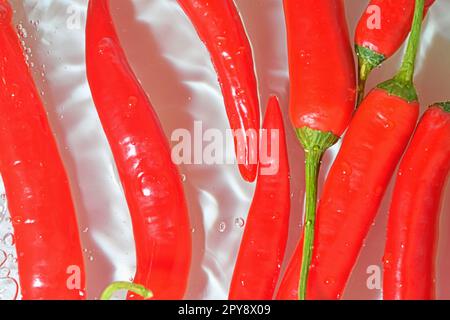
(374, 44)
(354, 188)
(150, 180)
(410, 251)
(219, 26)
(323, 87)
(39, 198)
(263, 244)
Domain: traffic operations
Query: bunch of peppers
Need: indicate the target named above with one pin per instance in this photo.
(321, 62)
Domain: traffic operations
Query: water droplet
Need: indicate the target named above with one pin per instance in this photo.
(222, 227)
(85, 230)
(29, 221)
(183, 178)
(193, 230)
(91, 258)
(4, 272)
(146, 192)
(8, 239)
(239, 222)
(387, 260)
(132, 103)
(17, 220)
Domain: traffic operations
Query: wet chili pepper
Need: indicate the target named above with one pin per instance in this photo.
(150, 180)
(381, 31)
(323, 92)
(264, 241)
(356, 183)
(49, 254)
(410, 252)
(219, 26)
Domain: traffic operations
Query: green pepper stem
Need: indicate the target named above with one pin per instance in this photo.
(122, 285)
(367, 61)
(364, 71)
(315, 143)
(312, 167)
(406, 72)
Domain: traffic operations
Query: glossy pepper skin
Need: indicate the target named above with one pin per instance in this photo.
(376, 44)
(354, 188)
(375, 141)
(150, 180)
(219, 26)
(321, 66)
(39, 198)
(410, 251)
(264, 241)
(323, 92)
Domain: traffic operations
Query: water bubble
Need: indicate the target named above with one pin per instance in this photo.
(387, 260)
(4, 272)
(239, 222)
(9, 239)
(222, 227)
(17, 220)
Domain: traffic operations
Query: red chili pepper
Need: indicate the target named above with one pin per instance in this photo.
(323, 87)
(264, 241)
(219, 26)
(371, 149)
(39, 198)
(410, 251)
(150, 180)
(377, 43)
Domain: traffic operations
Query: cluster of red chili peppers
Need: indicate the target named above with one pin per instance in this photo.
(320, 63)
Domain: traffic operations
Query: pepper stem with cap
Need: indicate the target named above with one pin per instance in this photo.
(402, 84)
(315, 143)
(367, 61)
(122, 285)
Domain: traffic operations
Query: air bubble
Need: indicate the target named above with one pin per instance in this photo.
(9, 239)
(239, 222)
(222, 227)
